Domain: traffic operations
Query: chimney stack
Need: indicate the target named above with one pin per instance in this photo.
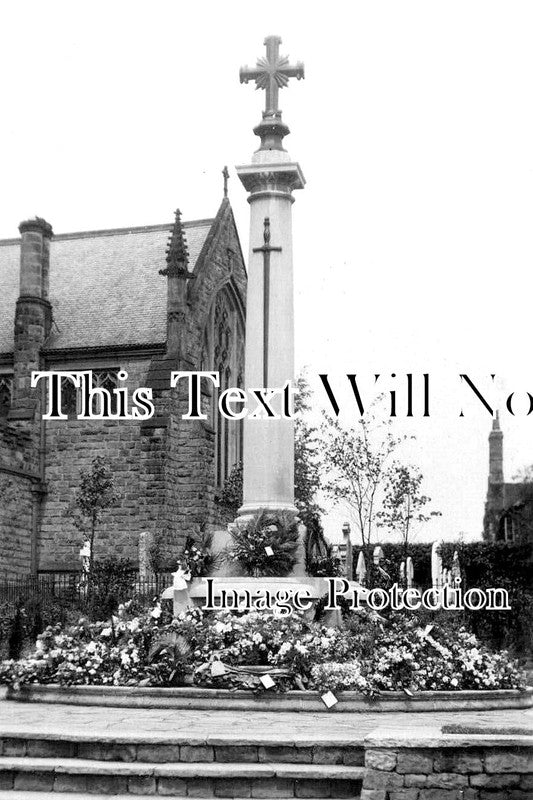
(33, 316)
(496, 452)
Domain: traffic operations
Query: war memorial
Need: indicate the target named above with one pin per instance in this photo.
(211, 689)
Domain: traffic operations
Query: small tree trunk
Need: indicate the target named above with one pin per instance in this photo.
(91, 560)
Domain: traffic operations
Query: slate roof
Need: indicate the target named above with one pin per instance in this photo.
(105, 286)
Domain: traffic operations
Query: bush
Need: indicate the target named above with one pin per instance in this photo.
(483, 565)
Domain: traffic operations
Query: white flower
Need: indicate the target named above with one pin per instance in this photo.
(156, 611)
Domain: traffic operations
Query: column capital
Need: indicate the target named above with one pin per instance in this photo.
(280, 178)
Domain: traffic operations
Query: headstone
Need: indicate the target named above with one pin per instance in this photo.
(145, 543)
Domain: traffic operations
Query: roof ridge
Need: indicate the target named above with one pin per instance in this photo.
(196, 223)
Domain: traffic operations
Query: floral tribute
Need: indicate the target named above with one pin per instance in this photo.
(266, 545)
(232, 650)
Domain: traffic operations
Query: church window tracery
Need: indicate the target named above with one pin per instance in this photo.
(101, 379)
(223, 351)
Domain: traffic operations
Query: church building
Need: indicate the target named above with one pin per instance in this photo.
(509, 506)
(143, 301)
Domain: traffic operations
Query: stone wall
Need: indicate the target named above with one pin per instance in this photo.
(435, 766)
(19, 484)
(134, 459)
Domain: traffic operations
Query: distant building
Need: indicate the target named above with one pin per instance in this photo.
(509, 506)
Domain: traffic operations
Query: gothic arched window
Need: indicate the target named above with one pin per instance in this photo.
(223, 351)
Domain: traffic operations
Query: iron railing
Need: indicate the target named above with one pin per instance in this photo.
(72, 586)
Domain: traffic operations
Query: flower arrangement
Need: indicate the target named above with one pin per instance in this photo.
(197, 557)
(265, 545)
(369, 655)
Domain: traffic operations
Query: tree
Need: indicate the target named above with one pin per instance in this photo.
(403, 502)
(96, 493)
(307, 468)
(355, 463)
(307, 480)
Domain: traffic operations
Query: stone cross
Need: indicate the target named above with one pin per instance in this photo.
(266, 249)
(272, 74)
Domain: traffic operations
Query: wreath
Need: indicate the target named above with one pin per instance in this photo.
(266, 545)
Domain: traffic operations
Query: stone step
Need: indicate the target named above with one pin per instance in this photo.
(180, 749)
(11, 795)
(268, 780)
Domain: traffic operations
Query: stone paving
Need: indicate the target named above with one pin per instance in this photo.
(238, 726)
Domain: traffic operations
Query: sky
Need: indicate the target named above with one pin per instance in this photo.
(412, 237)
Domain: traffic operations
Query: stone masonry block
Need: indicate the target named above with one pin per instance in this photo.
(158, 753)
(494, 781)
(193, 754)
(415, 780)
(102, 751)
(526, 782)
(446, 780)
(312, 788)
(374, 794)
(509, 762)
(233, 787)
(375, 779)
(70, 783)
(142, 784)
(107, 784)
(518, 794)
(285, 754)
(380, 759)
(340, 788)
(457, 761)
(404, 794)
(354, 757)
(7, 779)
(437, 794)
(174, 787)
(328, 755)
(272, 787)
(50, 748)
(14, 747)
(244, 753)
(494, 794)
(200, 787)
(34, 781)
(415, 761)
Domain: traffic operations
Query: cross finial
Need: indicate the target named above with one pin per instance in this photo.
(272, 74)
(225, 174)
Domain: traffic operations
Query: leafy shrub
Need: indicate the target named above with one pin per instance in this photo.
(111, 582)
(483, 565)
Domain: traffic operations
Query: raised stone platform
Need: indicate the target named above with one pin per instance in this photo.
(223, 699)
(74, 752)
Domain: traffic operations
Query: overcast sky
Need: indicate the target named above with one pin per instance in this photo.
(414, 129)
